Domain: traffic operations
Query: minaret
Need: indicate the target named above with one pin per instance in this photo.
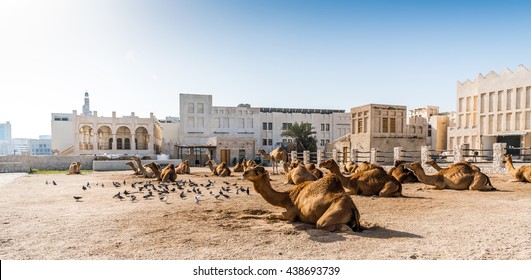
(86, 106)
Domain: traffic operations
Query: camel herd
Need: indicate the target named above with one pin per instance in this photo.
(324, 199)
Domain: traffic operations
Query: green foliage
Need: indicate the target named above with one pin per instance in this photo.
(303, 136)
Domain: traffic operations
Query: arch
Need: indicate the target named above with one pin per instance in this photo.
(85, 137)
(141, 138)
(123, 134)
(104, 138)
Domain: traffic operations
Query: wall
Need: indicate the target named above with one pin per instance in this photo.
(24, 163)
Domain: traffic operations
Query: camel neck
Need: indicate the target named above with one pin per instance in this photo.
(510, 165)
(280, 199)
(336, 171)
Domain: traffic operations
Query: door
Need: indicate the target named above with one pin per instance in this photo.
(225, 156)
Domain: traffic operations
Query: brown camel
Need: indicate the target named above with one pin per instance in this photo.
(153, 167)
(133, 167)
(275, 157)
(314, 170)
(322, 202)
(144, 170)
(299, 174)
(168, 173)
(239, 166)
(183, 168)
(402, 174)
(350, 167)
(365, 166)
(522, 174)
(457, 177)
(75, 168)
(221, 169)
(374, 181)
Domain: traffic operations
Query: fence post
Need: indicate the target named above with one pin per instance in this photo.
(397, 154)
(425, 155)
(374, 158)
(305, 157)
(293, 156)
(498, 151)
(458, 153)
(334, 155)
(319, 157)
(354, 155)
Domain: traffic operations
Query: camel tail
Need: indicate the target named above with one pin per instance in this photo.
(354, 223)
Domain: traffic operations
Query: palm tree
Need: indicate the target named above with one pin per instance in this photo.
(303, 135)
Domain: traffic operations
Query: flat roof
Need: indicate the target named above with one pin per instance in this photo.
(299, 110)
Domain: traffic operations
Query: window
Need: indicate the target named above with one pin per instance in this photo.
(241, 123)
(429, 130)
(327, 127)
(461, 107)
(270, 142)
(270, 126)
(509, 96)
(190, 108)
(322, 142)
(322, 127)
(200, 108)
(392, 125)
(500, 100)
(385, 125)
(518, 98)
(200, 122)
(360, 125)
(226, 123)
(250, 123)
(264, 142)
(217, 123)
(286, 126)
(264, 126)
(191, 122)
(491, 101)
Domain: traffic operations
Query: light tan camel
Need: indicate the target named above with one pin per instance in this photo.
(322, 202)
(183, 168)
(457, 177)
(75, 168)
(402, 174)
(249, 164)
(133, 167)
(350, 167)
(239, 166)
(374, 181)
(522, 174)
(144, 170)
(275, 157)
(153, 167)
(314, 170)
(221, 169)
(463, 164)
(299, 174)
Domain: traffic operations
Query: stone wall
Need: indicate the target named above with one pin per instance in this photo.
(10, 164)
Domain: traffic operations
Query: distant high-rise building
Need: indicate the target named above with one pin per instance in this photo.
(5, 132)
(86, 106)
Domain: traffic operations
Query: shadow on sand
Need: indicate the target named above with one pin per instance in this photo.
(384, 233)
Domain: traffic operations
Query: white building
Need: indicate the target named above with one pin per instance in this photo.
(493, 108)
(41, 146)
(200, 121)
(6, 148)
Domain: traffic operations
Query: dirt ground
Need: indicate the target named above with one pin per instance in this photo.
(43, 221)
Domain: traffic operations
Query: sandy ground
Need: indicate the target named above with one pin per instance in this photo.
(43, 221)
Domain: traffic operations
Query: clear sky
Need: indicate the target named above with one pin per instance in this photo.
(137, 56)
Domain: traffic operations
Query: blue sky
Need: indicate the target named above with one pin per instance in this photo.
(137, 56)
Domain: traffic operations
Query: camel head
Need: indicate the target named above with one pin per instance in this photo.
(327, 164)
(508, 157)
(310, 166)
(223, 164)
(262, 152)
(186, 162)
(255, 173)
(431, 162)
(414, 166)
(153, 166)
(295, 163)
(399, 162)
(209, 163)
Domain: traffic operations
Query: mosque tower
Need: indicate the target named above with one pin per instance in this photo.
(86, 106)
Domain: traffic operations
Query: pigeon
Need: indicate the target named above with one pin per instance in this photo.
(54, 183)
(182, 195)
(46, 182)
(147, 196)
(116, 195)
(163, 198)
(133, 198)
(84, 188)
(226, 196)
(247, 190)
(77, 198)
(126, 192)
(217, 196)
(197, 199)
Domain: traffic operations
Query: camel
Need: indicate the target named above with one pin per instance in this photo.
(365, 166)
(133, 167)
(144, 170)
(239, 166)
(249, 164)
(314, 170)
(522, 174)
(183, 168)
(457, 177)
(75, 168)
(299, 174)
(168, 173)
(402, 174)
(221, 169)
(275, 157)
(436, 166)
(350, 167)
(367, 183)
(153, 168)
(322, 202)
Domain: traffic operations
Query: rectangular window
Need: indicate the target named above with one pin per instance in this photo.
(461, 104)
(217, 123)
(200, 108)
(518, 101)
(517, 121)
(508, 117)
(191, 122)
(327, 127)
(392, 125)
(500, 100)
(527, 120)
(528, 97)
(322, 127)
(468, 103)
(491, 101)
(483, 124)
(226, 123)
(270, 126)
(509, 99)
(264, 126)
(241, 123)
(385, 125)
(491, 123)
(322, 142)
(264, 142)
(200, 122)
(499, 122)
(190, 108)
(483, 101)
(270, 142)
(360, 125)
(250, 123)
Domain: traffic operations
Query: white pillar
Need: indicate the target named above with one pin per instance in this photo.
(354, 155)
(334, 155)
(425, 155)
(499, 150)
(458, 153)
(319, 157)
(293, 156)
(397, 154)
(374, 156)
(306, 157)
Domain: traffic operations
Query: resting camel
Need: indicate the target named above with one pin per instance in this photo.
(168, 173)
(275, 157)
(365, 166)
(402, 174)
(299, 173)
(133, 167)
(457, 177)
(221, 169)
(75, 168)
(183, 168)
(249, 164)
(522, 174)
(314, 170)
(436, 166)
(239, 166)
(144, 170)
(371, 182)
(350, 167)
(322, 202)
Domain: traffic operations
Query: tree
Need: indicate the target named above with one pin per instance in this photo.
(302, 134)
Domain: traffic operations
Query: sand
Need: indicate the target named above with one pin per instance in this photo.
(42, 221)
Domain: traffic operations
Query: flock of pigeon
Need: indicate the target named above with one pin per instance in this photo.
(185, 189)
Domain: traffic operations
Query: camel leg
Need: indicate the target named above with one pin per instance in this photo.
(480, 184)
(336, 217)
(390, 189)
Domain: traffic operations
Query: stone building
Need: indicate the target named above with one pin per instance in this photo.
(436, 125)
(495, 108)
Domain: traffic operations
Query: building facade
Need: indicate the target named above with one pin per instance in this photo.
(495, 108)
(6, 148)
(201, 121)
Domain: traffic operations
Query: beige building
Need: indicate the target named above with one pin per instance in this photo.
(435, 124)
(495, 108)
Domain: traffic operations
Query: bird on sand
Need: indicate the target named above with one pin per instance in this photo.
(84, 188)
(54, 183)
(77, 198)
